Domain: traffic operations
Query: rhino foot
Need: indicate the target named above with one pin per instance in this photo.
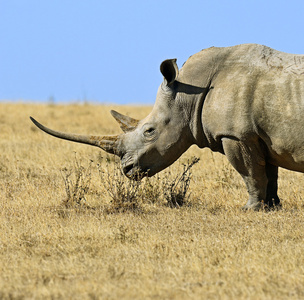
(258, 206)
(272, 207)
(253, 206)
(273, 202)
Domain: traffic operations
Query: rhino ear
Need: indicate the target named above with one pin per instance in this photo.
(169, 69)
(126, 123)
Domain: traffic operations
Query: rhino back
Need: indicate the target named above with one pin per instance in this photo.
(240, 60)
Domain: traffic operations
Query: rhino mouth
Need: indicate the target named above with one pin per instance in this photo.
(134, 172)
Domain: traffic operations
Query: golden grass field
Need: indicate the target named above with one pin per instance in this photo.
(207, 249)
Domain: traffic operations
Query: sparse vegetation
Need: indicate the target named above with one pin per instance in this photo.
(63, 236)
(125, 194)
(175, 191)
(76, 188)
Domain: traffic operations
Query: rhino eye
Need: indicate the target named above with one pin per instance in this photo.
(149, 132)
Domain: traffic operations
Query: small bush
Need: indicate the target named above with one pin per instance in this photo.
(130, 195)
(77, 182)
(175, 190)
(152, 189)
(126, 194)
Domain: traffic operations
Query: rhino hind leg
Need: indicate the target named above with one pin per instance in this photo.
(249, 161)
(272, 198)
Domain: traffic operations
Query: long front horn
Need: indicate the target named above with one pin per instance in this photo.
(107, 143)
(126, 123)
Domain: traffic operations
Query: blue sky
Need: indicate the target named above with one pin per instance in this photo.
(110, 51)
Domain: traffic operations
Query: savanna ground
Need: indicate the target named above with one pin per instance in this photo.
(208, 248)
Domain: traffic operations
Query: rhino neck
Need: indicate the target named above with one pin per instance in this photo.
(196, 124)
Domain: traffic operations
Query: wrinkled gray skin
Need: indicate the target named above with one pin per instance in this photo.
(246, 102)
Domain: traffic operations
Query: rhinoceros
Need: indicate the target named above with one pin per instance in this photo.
(245, 101)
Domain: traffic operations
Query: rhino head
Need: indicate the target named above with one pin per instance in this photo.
(152, 144)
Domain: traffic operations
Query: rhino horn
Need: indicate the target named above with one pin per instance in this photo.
(126, 123)
(169, 69)
(107, 143)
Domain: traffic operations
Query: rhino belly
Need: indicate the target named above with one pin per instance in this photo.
(287, 155)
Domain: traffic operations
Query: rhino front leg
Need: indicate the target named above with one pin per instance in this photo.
(249, 161)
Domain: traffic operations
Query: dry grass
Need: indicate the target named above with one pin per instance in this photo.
(209, 249)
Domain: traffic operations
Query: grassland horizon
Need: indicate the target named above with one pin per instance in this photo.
(206, 249)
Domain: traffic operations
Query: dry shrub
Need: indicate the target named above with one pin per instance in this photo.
(77, 183)
(163, 188)
(175, 191)
(126, 194)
